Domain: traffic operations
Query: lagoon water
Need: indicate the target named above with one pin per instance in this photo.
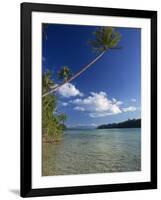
(93, 151)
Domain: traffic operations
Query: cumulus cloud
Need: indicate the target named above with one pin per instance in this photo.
(69, 90)
(79, 108)
(97, 105)
(64, 104)
(129, 109)
(117, 102)
(133, 100)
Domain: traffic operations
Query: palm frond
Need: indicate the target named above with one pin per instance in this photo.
(105, 38)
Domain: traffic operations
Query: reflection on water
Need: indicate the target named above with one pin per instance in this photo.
(93, 151)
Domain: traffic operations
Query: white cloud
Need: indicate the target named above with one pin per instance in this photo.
(98, 105)
(118, 103)
(79, 108)
(133, 100)
(76, 101)
(114, 100)
(93, 124)
(64, 104)
(69, 90)
(129, 109)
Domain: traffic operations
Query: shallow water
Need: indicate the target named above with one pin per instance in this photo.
(93, 151)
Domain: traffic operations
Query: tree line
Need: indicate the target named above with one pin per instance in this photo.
(131, 123)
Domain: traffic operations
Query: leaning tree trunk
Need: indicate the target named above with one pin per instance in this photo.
(75, 76)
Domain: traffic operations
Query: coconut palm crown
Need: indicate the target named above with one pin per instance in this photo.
(64, 74)
(105, 38)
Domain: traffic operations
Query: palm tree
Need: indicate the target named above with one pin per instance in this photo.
(106, 38)
(62, 118)
(65, 74)
(52, 122)
(47, 81)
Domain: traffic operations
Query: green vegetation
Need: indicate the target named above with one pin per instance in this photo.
(52, 122)
(65, 74)
(105, 38)
(131, 123)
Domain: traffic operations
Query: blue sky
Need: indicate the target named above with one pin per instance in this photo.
(109, 91)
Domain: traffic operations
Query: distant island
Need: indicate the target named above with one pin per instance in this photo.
(131, 123)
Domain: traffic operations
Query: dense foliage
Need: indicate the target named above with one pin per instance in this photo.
(131, 123)
(64, 74)
(105, 38)
(52, 121)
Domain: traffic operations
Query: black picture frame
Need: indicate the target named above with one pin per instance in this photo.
(26, 102)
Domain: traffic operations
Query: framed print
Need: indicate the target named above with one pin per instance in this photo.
(88, 99)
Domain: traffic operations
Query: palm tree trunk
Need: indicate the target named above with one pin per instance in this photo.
(75, 76)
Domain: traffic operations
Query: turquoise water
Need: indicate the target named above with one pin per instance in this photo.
(93, 151)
